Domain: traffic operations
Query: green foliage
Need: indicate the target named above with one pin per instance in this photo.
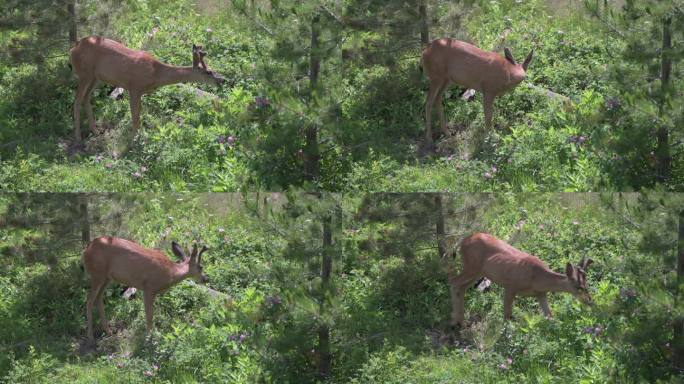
(366, 105)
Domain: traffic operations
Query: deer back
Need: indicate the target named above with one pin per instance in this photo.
(129, 263)
(469, 66)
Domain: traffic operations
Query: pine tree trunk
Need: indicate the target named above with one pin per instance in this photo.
(440, 229)
(324, 355)
(678, 342)
(312, 156)
(73, 30)
(663, 137)
(85, 220)
(424, 28)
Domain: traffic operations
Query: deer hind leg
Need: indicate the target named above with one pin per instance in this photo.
(83, 86)
(148, 298)
(509, 297)
(89, 107)
(100, 307)
(544, 304)
(435, 87)
(458, 286)
(95, 286)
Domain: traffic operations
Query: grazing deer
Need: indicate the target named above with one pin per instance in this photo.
(484, 255)
(447, 61)
(112, 258)
(99, 59)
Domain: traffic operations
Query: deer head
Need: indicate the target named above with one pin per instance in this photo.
(200, 66)
(194, 262)
(521, 69)
(578, 279)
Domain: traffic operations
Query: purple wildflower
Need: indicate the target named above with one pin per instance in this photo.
(595, 331)
(494, 169)
(148, 373)
(230, 140)
(261, 101)
(487, 175)
(612, 103)
(136, 174)
(273, 300)
(143, 169)
(109, 165)
(221, 139)
(626, 293)
(243, 337)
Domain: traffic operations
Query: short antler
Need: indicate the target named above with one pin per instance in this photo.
(509, 56)
(585, 263)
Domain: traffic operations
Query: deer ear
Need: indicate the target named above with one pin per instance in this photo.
(509, 56)
(587, 263)
(570, 271)
(526, 63)
(177, 250)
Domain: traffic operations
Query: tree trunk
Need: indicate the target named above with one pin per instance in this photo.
(73, 34)
(324, 355)
(424, 28)
(312, 156)
(440, 229)
(678, 342)
(663, 146)
(85, 220)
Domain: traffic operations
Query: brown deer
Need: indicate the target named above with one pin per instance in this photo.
(99, 59)
(484, 255)
(448, 61)
(112, 258)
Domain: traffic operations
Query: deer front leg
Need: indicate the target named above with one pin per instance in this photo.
(83, 85)
(458, 287)
(95, 286)
(544, 304)
(148, 298)
(135, 98)
(440, 109)
(509, 297)
(488, 106)
(89, 107)
(100, 307)
(433, 92)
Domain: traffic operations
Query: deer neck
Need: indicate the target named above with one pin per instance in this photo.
(169, 74)
(551, 281)
(180, 272)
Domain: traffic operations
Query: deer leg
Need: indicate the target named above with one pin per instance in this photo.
(135, 110)
(544, 304)
(78, 100)
(148, 298)
(100, 307)
(89, 107)
(440, 108)
(458, 287)
(509, 297)
(435, 86)
(95, 286)
(488, 106)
